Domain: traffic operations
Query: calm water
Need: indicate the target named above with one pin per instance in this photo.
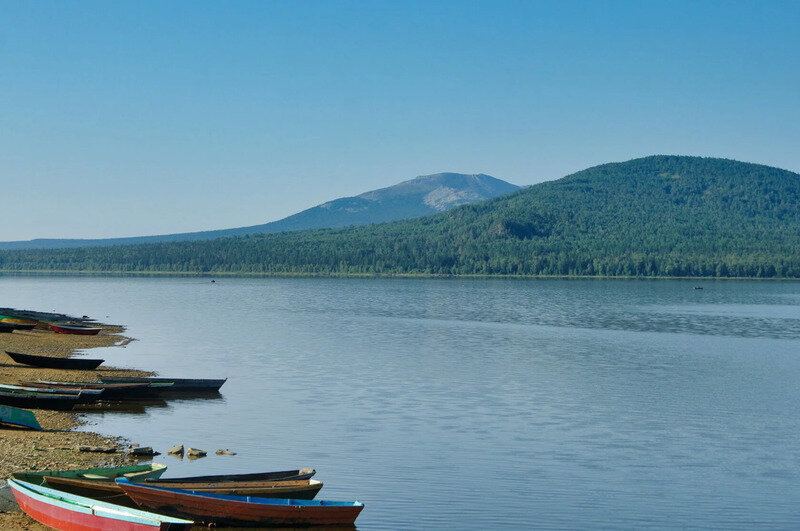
(475, 403)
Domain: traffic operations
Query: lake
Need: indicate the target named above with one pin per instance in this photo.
(474, 403)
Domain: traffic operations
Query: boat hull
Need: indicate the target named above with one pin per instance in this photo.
(241, 511)
(18, 418)
(179, 385)
(39, 401)
(298, 490)
(105, 475)
(67, 513)
(49, 362)
(77, 330)
(285, 475)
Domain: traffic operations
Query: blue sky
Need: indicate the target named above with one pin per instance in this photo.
(133, 118)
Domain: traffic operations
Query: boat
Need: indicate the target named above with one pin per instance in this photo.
(81, 330)
(17, 320)
(82, 396)
(179, 385)
(222, 509)
(6, 328)
(284, 475)
(19, 326)
(65, 511)
(305, 489)
(36, 400)
(19, 418)
(50, 362)
(111, 391)
(99, 475)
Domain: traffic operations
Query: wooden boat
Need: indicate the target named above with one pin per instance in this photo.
(179, 385)
(19, 418)
(284, 475)
(98, 475)
(111, 391)
(81, 330)
(18, 326)
(221, 509)
(18, 320)
(82, 396)
(6, 328)
(304, 489)
(34, 400)
(50, 362)
(61, 510)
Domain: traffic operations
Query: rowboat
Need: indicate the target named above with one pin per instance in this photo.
(98, 475)
(34, 400)
(179, 385)
(65, 511)
(19, 326)
(81, 396)
(18, 418)
(50, 362)
(221, 509)
(111, 391)
(284, 475)
(81, 330)
(17, 320)
(304, 489)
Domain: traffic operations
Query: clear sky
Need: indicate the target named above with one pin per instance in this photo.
(136, 118)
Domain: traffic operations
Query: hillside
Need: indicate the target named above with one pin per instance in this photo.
(418, 197)
(654, 216)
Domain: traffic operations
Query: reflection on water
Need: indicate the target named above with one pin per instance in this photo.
(474, 403)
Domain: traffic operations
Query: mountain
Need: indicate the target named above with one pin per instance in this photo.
(654, 216)
(422, 196)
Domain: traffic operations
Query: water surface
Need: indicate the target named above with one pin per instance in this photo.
(475, 403)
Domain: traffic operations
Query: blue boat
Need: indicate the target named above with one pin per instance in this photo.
(222, 509)
(19, 418)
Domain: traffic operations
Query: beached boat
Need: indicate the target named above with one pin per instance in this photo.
(221, 509)
(6, 328)
(180, 385)
(111, 391)
(81, 330)
(82, 396)
(37, 400)
(284, 475)
(51, 362)
(18, 326)
(99, 475)
(18, 320)
(19, 418)
(305, 489)
(65, 511)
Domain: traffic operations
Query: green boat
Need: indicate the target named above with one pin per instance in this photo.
(133, 472)
(19, 418)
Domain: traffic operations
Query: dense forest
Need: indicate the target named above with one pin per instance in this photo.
(654, 216)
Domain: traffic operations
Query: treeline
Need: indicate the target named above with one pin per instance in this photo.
(657, 216)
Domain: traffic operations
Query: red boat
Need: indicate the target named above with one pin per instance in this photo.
(235, 511)
(67, 512)
(80, 330)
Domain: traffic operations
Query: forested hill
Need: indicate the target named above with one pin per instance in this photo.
(654, 216)
(422, 196)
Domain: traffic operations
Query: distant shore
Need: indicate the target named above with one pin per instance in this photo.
(234, 274)
(56, 446)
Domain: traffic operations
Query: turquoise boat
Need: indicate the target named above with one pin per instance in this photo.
(19, 418)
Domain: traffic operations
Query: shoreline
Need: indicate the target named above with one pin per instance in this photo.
(57, 446)
(443, 276)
